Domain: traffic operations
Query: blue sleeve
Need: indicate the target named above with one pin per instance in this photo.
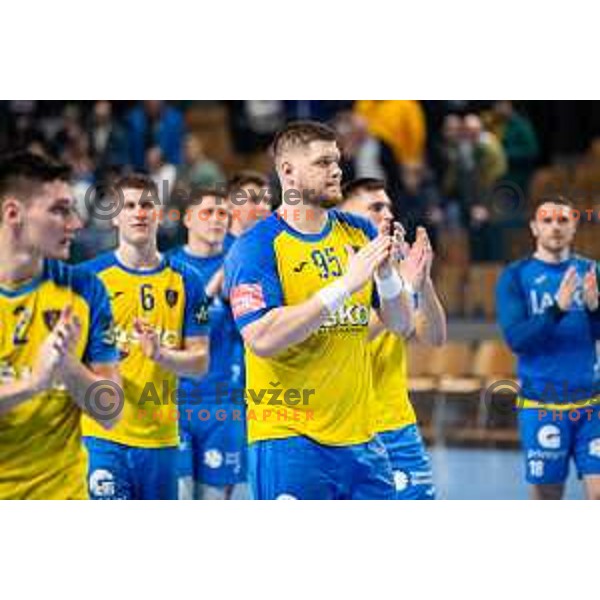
(100, 346)
(523, 333)
(195, 315)
(252, 282)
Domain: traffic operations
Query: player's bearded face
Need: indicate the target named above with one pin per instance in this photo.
(138, 220)
(318, 174)
(50, 222)
(209, 220)
(554, 227)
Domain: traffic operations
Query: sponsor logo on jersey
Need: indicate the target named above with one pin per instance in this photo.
(247, 298)
(400, 480)
(594, 448)
(300, 266)
(51, 318)
(213, 458)
(171, 296)
(353, 315)
(549, 437)
(102, 484)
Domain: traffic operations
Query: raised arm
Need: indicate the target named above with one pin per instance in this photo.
(524, 332)
(285, 326)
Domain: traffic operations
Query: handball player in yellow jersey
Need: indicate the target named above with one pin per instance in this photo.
(57, 356)
(161, 319)
(301, 285)
(396, 419)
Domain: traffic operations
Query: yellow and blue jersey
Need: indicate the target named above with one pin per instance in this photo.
(557, 358)
(169, 298)
(393, 409)
(41, 456)
(322, 387)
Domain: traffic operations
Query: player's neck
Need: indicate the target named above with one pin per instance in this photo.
(236, 228)
(200, 247)
(304, 218)
(552, 257)
(17, 266)
(138, 257)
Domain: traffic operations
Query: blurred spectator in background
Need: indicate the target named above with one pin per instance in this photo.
(171, 230)
(76, 154)
(418, 201)
(98, 235)
(254, 123)
(360, 151)
(518, 139)
(108, 139)
(197, 170)
(364, 156)
(18, 125)
(475, 160)
(398, 123)
(154, 123)
(162, 173)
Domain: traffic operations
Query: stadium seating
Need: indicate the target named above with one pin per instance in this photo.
(458, 396)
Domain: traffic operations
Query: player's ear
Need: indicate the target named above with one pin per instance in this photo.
(287, 169)
(12, 212)
(534, 228)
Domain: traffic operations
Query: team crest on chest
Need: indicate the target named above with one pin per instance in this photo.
(51, 318)
(171, 296)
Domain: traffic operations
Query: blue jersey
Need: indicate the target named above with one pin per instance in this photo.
(224, 381)
(557, 358)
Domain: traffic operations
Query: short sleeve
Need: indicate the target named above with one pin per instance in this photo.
(252, 282)
(195, 316)
(101, 346)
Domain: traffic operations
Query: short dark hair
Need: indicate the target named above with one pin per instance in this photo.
(200, 192)
(21, 173)
(242, 178)
(301, 133)
(556, 199)
(368, 184)
(137, 181)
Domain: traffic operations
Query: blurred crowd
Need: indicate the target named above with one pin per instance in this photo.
(444, 162)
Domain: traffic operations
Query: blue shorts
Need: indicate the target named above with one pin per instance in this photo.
(119, 472)
(298, 468)
(551, 438)
(410, 462)
(213, 450)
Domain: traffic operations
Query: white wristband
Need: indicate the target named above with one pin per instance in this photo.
(390, 287)
(333, 296)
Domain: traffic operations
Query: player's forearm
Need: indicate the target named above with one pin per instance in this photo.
(375, 326)
(530, 334)
(16, 392)
(80, 381)
(185, 363)
(431, 322)
(286, 326)
(523, 332)
(398, 315)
